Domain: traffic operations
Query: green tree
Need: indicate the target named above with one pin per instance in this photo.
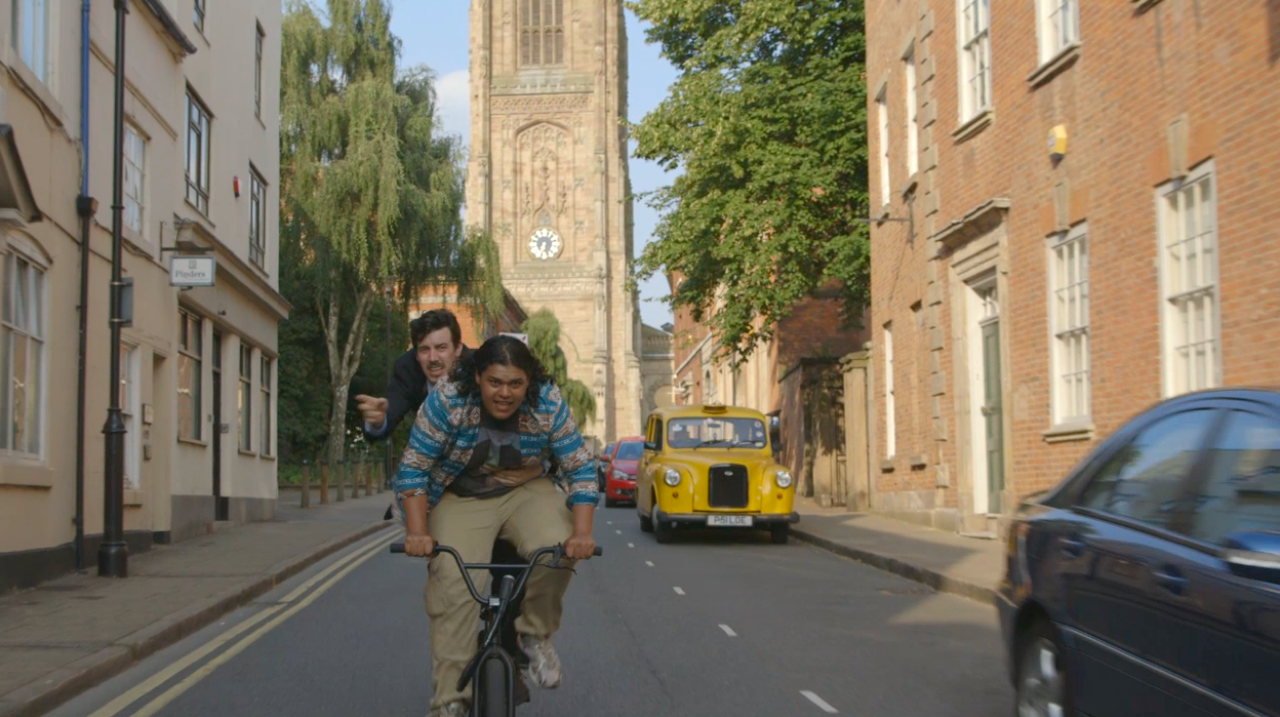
(371, 189)
(543, 329)
(767, 124)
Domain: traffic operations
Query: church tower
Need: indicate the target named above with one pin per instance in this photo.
(547, 176)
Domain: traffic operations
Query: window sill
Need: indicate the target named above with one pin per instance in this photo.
(1065, 58)
(23, 472)
(1142, 6)
(886, 465)
(883, 214)
(33, 86)
(134, 498)
(1068, 433)
(202, 215)
(250, 454)
(267, 456)
(918, 461)
(973, 127)
(193, 442)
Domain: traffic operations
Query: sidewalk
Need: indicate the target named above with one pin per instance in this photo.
(67, 635)
(970, 567)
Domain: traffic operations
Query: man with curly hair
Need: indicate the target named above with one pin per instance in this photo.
(477, 468)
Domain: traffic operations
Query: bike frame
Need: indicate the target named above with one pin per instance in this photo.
(494, 610)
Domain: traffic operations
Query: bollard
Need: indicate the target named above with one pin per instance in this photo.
(341, 478)
(324, 481)
(306, 483)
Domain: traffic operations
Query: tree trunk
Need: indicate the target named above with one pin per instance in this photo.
(344, 361)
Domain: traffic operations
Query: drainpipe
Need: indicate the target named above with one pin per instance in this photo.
(86, 207)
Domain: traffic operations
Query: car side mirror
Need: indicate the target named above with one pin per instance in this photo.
(1254, 554)
(650, 446)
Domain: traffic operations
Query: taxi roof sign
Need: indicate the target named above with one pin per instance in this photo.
(714, 407)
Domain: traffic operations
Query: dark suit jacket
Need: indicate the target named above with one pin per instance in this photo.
(407, 390)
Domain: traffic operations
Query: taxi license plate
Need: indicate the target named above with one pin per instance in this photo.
(729, 521)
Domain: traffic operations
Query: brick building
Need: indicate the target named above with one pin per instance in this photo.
(476, 328)
(793, 378)
(1091, 228)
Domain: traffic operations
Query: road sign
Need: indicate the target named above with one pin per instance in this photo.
(192, 270)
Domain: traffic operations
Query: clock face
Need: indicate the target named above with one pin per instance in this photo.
(545, 244)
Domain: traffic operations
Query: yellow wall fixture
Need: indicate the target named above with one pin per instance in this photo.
(1058, 142)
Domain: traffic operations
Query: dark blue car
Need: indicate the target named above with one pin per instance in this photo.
(1148, 581)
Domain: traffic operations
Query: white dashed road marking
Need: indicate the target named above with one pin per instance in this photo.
(728, 631)
(821, 703)
(619, 532)
(649, 563)
(631, 545)
(679, 591)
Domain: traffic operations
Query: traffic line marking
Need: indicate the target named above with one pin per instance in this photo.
(728, 631)
(619, 532)
(610, 522)
(649, 563)
(679, 591)
(280, 612)
(631, 545)
(821, 703)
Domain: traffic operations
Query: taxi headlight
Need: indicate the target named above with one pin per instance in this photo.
(671, 477)
(783, 479)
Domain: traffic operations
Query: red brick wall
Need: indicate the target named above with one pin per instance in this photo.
(1215, 64)
(509, 321)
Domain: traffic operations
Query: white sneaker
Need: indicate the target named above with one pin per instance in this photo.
(453, 709)
(544, 664)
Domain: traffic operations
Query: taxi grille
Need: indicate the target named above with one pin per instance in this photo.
(728, 486)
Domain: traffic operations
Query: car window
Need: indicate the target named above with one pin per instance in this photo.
(608, 451)
(721, 432)
(1143, 479)
(630, 451)
(1242, 488)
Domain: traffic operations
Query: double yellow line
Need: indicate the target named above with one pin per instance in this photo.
(272, 617)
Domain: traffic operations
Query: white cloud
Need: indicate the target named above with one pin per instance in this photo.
(453, 92)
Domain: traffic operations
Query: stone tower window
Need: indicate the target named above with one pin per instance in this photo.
(541, 32)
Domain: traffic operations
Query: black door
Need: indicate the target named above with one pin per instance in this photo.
(219, 502)
(1118, 561)
(1231, 627)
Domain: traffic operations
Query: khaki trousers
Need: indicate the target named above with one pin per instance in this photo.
(532, 516)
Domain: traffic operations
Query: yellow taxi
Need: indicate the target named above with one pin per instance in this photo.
(712, 466)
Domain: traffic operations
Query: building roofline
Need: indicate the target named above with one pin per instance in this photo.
(170, 25)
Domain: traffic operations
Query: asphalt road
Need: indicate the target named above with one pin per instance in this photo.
(715, 624)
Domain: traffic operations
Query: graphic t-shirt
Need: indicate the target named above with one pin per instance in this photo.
(496, 466)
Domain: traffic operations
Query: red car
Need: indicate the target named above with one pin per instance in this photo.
(620, 471)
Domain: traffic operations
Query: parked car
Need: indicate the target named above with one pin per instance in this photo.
(1148, 581)
(620, 476)
(602, 466)
(711, 465)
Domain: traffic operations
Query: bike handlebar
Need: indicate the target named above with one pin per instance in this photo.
(398, 547)
(556, 550)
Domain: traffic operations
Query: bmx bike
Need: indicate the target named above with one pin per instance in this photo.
(494, 669)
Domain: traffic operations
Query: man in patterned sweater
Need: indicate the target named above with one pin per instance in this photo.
(476, 468)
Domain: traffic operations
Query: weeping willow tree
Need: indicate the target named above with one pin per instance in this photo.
(371, 188)
(543, 329)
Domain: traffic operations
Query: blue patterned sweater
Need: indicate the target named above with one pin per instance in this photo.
(446, 430)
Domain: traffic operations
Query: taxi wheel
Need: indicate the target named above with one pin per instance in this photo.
(646, 522)
(663, 530)
(779, 533)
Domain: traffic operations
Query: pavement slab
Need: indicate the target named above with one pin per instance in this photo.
(971, 567)
(69, 634)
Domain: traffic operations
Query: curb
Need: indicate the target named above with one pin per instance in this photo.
(932, 578)
(61, 685)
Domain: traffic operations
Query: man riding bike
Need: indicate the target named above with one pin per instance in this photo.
(476, 469)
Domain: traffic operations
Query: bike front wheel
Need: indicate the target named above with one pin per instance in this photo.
(492, 690)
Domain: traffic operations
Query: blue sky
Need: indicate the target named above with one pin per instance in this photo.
(435, 33)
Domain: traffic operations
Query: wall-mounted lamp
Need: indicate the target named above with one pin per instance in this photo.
(235, 185)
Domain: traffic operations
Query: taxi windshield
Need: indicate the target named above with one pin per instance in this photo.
(716, 432)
